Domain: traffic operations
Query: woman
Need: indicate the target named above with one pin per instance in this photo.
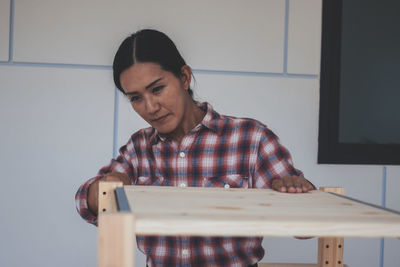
(188, 144)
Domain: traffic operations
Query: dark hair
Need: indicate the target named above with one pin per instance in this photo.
(148, 46)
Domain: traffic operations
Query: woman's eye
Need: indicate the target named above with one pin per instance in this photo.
(135, 98)
(158, 89)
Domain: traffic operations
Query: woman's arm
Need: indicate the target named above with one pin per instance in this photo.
(120, 169)
(274, 167)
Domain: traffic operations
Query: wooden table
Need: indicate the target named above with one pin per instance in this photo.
(152, 210)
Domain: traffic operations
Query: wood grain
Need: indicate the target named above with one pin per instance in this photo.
(107, 200)
(330, 249)
(116, 240)
(264, 264)
(254, 212)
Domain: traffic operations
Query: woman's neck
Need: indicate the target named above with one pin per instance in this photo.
(194, 116)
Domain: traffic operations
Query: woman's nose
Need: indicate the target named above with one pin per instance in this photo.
(152, 105)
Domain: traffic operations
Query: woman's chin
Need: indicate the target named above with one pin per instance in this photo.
(164, 130)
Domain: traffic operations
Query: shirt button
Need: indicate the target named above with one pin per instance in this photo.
(185, 252)
(227, 186)
(182, 185)
(182, 154)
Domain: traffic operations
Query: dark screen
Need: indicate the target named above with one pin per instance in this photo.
(370, 72)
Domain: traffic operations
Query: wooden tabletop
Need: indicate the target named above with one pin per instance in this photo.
(162, 210)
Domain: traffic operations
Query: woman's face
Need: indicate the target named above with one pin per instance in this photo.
(158, 96)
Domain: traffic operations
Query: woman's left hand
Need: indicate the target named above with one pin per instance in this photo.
(292, 184)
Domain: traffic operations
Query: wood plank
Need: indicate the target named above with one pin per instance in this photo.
(107, 200)
(330, 252)
(330, 249)
(266, 264)
(254, 212)
(116, 240)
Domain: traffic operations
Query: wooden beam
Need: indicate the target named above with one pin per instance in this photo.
(167, 210)
(330, 250)
(116, 238)
(117, 242)
(107, 201)
(281, 264)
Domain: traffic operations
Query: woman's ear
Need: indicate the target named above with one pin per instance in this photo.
(186, 77)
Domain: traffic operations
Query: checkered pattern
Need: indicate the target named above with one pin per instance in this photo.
(221, 151)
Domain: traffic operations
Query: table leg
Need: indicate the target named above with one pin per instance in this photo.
(117, 242)
(116, 230)
(330, 249)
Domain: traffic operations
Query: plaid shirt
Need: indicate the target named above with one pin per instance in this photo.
(221, 151)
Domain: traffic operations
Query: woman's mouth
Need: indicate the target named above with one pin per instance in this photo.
(160, 119)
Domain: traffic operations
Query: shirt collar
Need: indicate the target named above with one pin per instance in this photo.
(209, 121)
(211, 118)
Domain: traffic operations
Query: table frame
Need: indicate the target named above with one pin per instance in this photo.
(116, 232)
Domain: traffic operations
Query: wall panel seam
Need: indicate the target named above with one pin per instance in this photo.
(286, 37)
(11, 33)
(55, 65)
(199, 71)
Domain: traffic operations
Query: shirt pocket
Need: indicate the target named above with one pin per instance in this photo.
(147, 180)
(227, 181)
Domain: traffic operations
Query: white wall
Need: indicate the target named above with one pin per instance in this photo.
(256, 58)
(4, 29)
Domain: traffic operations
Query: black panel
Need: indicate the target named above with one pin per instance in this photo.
(359, 86)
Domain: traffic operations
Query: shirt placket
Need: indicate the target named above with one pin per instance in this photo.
(183, 181)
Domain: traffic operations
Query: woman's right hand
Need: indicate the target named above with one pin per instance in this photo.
(93, 192)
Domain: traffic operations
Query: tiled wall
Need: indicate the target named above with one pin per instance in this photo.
(61, 119)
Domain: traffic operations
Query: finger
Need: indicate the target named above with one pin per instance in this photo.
(298, 184)
(283, 189)
(307, 186)
(288, 182)
(117, 177)
(311, 186)
(277, 185)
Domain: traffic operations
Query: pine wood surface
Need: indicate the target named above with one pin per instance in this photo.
(107, 200)
(254, 212)
(330, 249)
(115, 240)
(264, 264)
